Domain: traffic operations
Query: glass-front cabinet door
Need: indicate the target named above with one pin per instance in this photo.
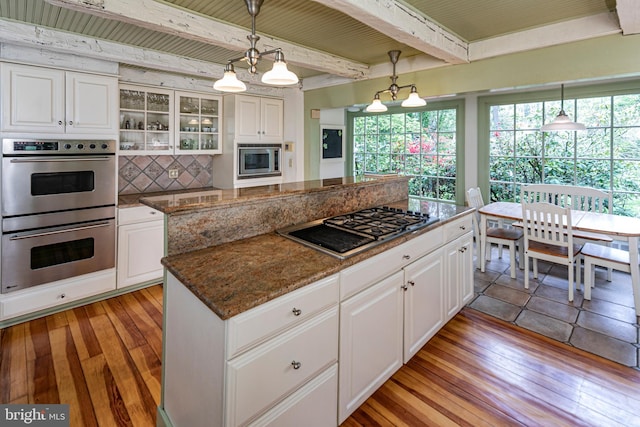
(198, 123)
(146, 125)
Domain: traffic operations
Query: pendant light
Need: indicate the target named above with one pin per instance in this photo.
(413, 100)
(279, 74)
(562, 121)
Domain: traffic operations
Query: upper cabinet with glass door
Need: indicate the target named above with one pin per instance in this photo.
(146, 125)
(197, 123)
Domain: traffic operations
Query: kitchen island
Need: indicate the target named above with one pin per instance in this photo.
(253, 325)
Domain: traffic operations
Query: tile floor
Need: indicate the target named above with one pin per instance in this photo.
(607, 325)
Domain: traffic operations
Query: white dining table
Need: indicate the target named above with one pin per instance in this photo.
(617, 226)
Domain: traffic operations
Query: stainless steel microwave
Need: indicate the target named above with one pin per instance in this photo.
(259, 160)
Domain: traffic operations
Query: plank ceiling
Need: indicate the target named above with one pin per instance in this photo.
(319, 26)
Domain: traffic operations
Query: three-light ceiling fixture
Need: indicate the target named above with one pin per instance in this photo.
(279, 75)
(562, 121)
(413, 100)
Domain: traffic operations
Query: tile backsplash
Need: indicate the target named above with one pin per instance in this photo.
(147, 174)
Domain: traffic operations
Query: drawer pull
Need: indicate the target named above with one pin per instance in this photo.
(152, 212)
(296, 365)
(296, 312)
(462, 227)
(406, 256)
(62, 296)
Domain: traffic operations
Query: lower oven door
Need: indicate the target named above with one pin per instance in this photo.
(35, 257)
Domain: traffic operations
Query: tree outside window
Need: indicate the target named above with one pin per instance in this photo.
(419, 144)
(605, 156)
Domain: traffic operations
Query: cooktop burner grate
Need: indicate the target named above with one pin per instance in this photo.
(379, 222)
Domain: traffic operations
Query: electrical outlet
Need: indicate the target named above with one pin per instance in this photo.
(173, 173)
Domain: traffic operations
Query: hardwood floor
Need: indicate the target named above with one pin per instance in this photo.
(104, 359)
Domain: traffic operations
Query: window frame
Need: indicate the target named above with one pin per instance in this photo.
(457, 104)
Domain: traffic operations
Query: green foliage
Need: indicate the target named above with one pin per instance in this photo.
(419, 144)
(606, 156)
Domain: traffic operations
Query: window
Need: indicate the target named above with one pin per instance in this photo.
(420, 144)
(605, 156)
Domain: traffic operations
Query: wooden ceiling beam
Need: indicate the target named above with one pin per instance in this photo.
(628, 16)
(406, 25)
(167, 19)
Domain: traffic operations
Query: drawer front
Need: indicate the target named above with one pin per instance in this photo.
(260, 378)
(364, 274)
(44, 296)
(138, 214)
(258, 324)
(458, 227)
(314, 405)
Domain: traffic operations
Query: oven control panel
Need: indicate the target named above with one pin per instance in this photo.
(45, 146)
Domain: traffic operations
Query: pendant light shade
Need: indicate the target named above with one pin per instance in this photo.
(414, 99)
(562, 121)
(279, 74)
(229, 82)
(376, 106)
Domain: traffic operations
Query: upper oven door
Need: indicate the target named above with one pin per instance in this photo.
(38, 184)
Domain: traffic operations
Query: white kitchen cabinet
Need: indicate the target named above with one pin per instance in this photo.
(57, 293)
(416, 272)
(423, 301)
(197, 123)
(270, 365)
(140, 246)
(258, 119)
(458, 255)
(146, 121)
(371, 341)
(38, 100)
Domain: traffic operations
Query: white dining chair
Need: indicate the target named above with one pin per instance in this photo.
(585, 199)
(548, 236)
(607, 257)
(510, 237)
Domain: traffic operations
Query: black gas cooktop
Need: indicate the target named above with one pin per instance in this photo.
(346, 235)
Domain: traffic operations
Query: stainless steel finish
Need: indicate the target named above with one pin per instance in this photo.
(18, 248)
(58, 210)
(18, 174)
(56, 147)
(248, 168)
(29, 222)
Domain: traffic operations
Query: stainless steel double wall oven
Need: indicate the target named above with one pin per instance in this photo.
(58, 210)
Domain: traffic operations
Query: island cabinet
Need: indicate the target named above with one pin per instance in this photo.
(39, 99)
(272, 365)
(394, 302)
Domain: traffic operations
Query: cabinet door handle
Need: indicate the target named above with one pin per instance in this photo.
(406, 256)
(296, 365)
(70, 122)
(412, 283)
(60, 122)
(404, 286)
(462, 227)
(296, 311)
(463, 249)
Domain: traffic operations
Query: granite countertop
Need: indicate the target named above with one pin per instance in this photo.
(187, 201)
(236, 276)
